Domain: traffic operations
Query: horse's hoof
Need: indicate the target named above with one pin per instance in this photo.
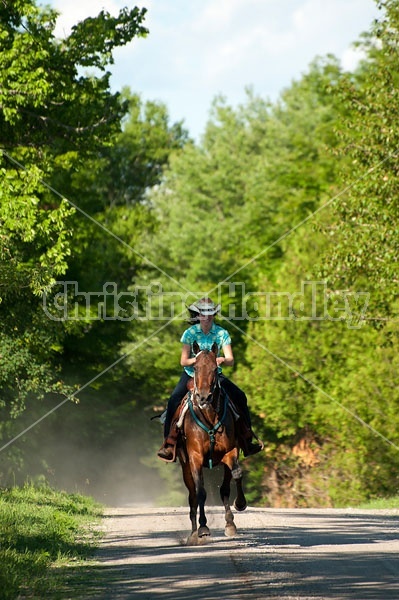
(230, 530)
(203, 532)
(240, 507)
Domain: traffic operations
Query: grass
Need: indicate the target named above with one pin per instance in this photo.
(381, 503)
(41, 528)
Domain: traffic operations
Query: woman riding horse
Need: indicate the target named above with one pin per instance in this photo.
(205, 332)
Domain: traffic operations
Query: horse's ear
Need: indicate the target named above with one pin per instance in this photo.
(196, 348)
(214, 348)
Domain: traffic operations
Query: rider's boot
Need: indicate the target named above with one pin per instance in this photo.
(167, 451)
(245, 439)
(250, 447)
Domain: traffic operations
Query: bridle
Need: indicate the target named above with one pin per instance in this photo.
(215, 385)
(212, 429)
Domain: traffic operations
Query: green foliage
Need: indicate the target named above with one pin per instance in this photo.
(274, 195)
(381, 504)
(260, 172)
(35, 240)
(365, 230)
(53, 118)
(45, 101)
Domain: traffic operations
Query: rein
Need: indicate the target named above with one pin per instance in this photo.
(195, 383)
(210, 431)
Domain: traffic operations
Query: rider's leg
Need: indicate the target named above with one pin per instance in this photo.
(167, 450)
(244, 426)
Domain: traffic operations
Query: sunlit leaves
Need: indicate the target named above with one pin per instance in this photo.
(365, 229)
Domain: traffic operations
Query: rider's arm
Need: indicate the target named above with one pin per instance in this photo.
(228, 359)
(185, 359)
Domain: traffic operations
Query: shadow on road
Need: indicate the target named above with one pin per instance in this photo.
(301, 556)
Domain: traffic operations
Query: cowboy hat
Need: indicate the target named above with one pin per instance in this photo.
(205, 306)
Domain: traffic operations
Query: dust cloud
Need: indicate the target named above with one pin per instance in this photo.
(118, 470)
(115, 476)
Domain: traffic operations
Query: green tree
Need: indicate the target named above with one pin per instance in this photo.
(323, 390)
(108, 225)
(223, 210)
(259, 170)
(365, 249)
(51, 118)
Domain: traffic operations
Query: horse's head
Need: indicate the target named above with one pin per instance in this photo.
(205, 374)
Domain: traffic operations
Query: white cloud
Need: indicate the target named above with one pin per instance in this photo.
(74, 11)
(199, 48)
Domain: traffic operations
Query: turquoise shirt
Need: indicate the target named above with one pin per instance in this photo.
(205, 340)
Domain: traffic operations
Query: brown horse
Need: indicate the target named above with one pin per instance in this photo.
(209, 439)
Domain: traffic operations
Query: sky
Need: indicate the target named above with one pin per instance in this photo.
(198, 49)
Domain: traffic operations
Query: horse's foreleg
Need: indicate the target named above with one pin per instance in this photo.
(225, 487)
(230, 528)
(192, 495)
(240, 503)
(201, 499)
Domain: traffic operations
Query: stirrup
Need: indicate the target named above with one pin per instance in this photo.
(167, 456)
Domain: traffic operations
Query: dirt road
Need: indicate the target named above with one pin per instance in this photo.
(290, 554)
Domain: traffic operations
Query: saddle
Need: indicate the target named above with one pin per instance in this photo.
(176, 429)
(243, 432)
